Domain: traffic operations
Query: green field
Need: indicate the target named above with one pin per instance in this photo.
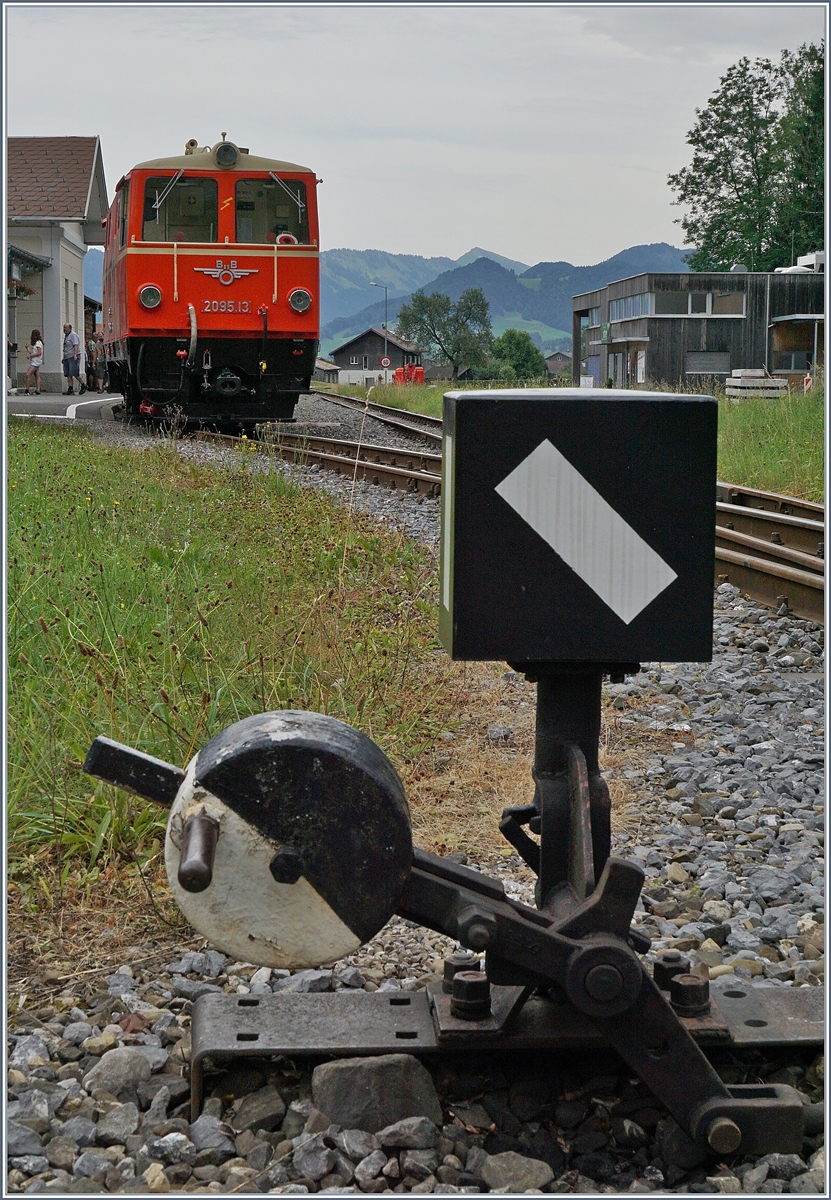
(156, 602)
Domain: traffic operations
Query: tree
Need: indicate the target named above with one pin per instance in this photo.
(802, 137)
(455, 334)
(516, 348)
(757, 154)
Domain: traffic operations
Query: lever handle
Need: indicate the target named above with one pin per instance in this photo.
(133, 771)
(196, 864)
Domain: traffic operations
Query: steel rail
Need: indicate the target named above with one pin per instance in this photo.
(419, 423)
(797, 533)
(367, 461)
(733, 493)
(773, 583)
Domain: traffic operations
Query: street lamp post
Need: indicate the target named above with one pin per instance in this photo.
(384, 286)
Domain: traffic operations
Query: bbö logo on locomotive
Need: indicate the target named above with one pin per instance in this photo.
(224, 274)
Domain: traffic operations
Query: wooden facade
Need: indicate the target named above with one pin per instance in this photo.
(364, 352)
(682, 328)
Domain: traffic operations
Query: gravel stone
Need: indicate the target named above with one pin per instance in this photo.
(91, 1166)
(263, 1109)
(515, 1172)
(413, 1133)
(119, 1072)
(365, 1092)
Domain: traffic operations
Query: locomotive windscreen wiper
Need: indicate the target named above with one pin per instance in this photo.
(159, 201)
(300, 204)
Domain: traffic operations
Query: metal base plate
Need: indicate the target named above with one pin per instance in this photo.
(227, 1027)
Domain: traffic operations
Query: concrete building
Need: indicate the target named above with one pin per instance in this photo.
(359, 359)
(57, 198)
(682, 328)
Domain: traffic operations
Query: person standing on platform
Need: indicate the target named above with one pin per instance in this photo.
(72, 359)
(35, 353)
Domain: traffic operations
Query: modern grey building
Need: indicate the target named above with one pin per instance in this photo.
(678, 328)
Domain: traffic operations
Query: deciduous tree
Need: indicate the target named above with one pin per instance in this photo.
(516, 348)
(756, 175)
(457, 334)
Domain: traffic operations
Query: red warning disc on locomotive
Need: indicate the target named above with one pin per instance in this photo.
(211, 290)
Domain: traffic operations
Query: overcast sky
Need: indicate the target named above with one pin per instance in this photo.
(541, 132)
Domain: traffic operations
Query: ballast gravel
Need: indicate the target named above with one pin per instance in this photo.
(730, 834)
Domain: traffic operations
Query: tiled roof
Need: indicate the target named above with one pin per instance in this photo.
(392, 340)
(50, 177)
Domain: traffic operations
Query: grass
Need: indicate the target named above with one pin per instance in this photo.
(157, 602)
(774, 445)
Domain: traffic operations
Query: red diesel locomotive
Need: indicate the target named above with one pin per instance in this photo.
(211, 287)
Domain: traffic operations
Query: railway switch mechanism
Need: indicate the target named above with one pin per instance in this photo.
(289, 841)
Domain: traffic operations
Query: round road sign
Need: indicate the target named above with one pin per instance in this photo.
(386, 362)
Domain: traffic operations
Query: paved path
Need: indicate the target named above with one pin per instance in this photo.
(90, 407)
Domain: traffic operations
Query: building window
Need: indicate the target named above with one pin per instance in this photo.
(793, 360)
(641, 366)
(75, 306)
(353, 361)
(366, 362)
(698, 302)
(671, 304)
(594, 316)
(628, 307)
(728, 304)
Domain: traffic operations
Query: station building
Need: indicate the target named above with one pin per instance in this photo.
(57, 198)
(684, 327)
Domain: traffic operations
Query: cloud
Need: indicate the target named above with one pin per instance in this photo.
(542, 132)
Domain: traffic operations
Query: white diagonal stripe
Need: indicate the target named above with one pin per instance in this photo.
(578, 524)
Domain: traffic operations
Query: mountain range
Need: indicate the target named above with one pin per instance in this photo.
(536, 299)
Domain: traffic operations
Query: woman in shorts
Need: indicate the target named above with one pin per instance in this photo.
(35, 353)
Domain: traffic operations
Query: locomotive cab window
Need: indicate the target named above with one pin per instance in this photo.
(271, 210)
(180, 210)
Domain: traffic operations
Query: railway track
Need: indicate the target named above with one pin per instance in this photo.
(399, 418)
(771, 546)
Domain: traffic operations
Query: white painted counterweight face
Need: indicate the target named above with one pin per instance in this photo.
(244, 911)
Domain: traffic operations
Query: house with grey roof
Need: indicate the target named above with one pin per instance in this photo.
(57, 199)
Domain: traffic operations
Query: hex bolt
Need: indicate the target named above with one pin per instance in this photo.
(196, 862)
(471, 996)
(604, 983)
(475, 929)
(286, 866)
(461, 960)
(670, 964)
(723, 1135)
(689, 995)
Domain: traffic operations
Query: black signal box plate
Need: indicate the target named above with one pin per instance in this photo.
(578, 525)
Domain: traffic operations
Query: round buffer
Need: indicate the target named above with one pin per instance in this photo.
(289, 841)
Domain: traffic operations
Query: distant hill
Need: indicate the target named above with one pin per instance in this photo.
(346, 276)
(93, 267)
(510, 264)
(537, 300)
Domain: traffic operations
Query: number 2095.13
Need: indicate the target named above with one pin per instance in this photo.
(238, 306)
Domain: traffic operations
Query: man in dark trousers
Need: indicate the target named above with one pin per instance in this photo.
(72, 359)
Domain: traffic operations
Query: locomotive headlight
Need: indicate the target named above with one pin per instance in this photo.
(150, 296)
(226, 154)
(300, 300)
